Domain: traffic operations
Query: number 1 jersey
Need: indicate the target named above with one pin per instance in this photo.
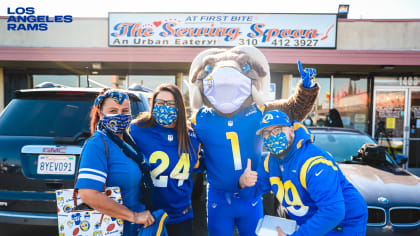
(227, 144)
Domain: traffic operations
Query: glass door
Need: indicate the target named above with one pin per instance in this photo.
(414, 129)
(390, 108)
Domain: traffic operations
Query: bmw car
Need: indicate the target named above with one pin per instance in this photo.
(391, 192)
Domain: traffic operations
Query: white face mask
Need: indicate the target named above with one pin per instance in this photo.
(226, 89)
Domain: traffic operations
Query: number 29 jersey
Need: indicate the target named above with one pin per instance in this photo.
(227, 144)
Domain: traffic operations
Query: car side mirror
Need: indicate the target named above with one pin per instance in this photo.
(401, 159)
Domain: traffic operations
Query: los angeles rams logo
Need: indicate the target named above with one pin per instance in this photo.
(67, 208)
(112, 124)
(61, 227)
(120, 222)
(84, 225)
(267, 118)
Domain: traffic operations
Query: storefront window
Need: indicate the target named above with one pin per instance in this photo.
(318, 116)
(351, 100)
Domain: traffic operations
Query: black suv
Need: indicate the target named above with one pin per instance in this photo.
(42, 132)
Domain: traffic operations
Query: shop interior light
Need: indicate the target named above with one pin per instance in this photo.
(343, 11)
(95, 72)
(96, 65)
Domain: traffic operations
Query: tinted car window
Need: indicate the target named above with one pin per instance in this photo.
(343, 145)
(46, 117)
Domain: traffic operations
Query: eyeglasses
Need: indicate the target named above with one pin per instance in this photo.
(161, 102)
(268, 133)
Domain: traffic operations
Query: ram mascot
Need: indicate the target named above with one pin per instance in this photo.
(228, 88)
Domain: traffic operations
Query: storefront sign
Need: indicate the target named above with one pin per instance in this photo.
(223, 29)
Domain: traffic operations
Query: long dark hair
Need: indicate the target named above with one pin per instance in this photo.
(181, 125)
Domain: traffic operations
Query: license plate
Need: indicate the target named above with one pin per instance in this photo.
(56, 164)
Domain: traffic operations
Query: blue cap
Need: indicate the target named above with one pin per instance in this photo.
(275, 117)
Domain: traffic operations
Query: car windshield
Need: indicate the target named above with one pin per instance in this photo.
(343, 145)
(38, 117)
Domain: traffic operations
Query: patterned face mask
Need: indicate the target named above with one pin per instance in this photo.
(116, 123)
(165, 115)
(276, 144)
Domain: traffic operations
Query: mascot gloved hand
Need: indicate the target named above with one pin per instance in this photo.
(229, 88)
(308, 76)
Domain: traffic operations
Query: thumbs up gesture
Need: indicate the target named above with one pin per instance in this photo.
(308, 76)
(249, 177)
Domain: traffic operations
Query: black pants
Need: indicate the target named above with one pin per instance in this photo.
(180, 229)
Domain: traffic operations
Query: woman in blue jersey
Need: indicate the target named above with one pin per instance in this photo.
(172, 150)
(103, 161)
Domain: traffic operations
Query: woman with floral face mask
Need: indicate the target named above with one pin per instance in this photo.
(105, 159)
(172, 150)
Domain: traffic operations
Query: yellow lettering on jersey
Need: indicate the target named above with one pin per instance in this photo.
(236, 151)
(184, 166)
(161, 181)
(296, 202)
(280, 189)
(180, 172)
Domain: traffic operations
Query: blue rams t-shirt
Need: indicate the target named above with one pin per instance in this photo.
(120, 171)
(170, 172)
(227, 144)
(312, 188)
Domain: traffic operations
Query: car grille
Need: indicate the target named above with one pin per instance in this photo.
(376, 216)
(404, 216)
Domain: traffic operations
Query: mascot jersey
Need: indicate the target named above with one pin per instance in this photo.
(170, 172)
(227, 144)
(313, 190)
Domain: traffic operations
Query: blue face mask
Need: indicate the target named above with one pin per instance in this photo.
(276, 144)
(116, 123)
(165, 115)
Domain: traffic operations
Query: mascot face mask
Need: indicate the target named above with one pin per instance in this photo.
(226, 89)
